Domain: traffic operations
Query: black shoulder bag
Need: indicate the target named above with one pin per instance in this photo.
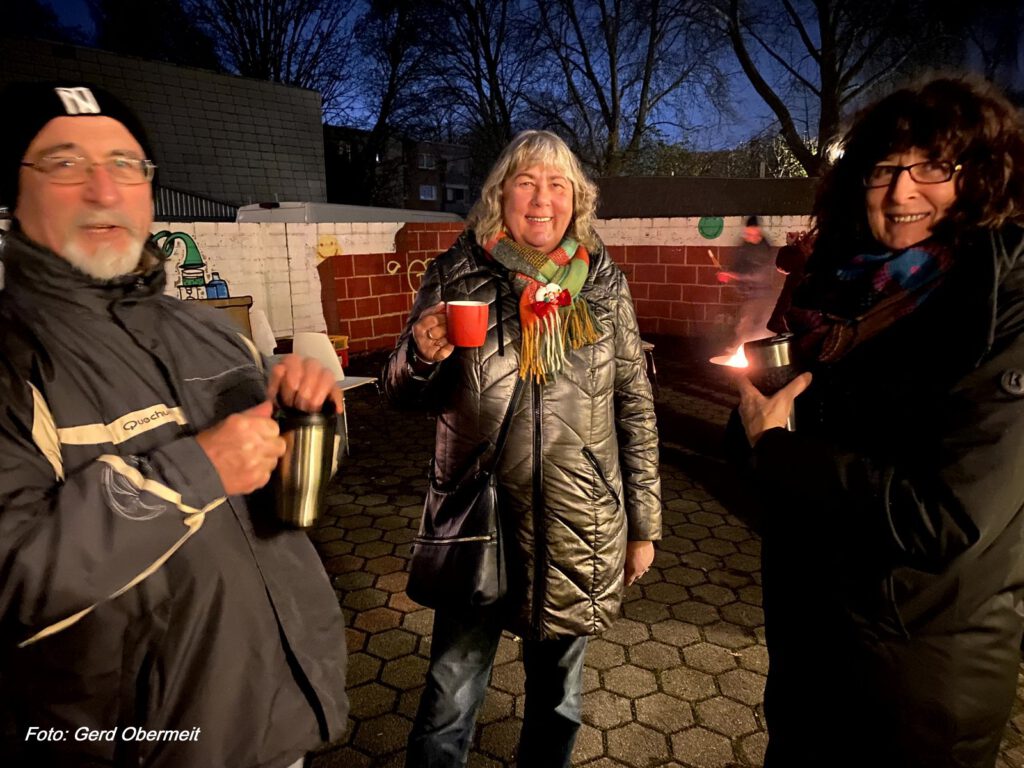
(458, 559)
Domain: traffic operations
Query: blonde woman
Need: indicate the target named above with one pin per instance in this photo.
(578, 477)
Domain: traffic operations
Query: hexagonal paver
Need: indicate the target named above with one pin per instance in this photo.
(404, 673)
(688, 684)
(728, 717)
(702, 561)
(637, 745)
(363, 535)
(392, 644)
(751, 594)
(382, 735)
(374, 549)
(709, 658)
(591, 680)
(724, 577)
(630, 681)
(675, 633)
(743, 613)
(684, 576)
(626, 632)
(713, 594)
(370, 700)
(509, 678)
(361, 669)
(729, 635)
(699, 746)
(364, 599)
(742, 562)
(654, 655)
(391, 522)
(509, 649)
(603, 709)
(664, 713)
(378, 619)
(351, 582)
(752, 747)
(497, 705)
(400, 536)
(666, 592)
(387, 564)
(589, 744)
(646, 611)
(734, 533)
(393, 582)
(754, 658)
(743, 685)
(719, 547)
(693, 612)
(421, 622)
(676, 544)
(501, 739)
(604, 655)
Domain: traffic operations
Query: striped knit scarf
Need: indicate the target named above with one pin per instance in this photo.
(836, 310)
(554, 317)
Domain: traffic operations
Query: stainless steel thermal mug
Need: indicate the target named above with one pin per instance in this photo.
(302, 474)
(770, 366)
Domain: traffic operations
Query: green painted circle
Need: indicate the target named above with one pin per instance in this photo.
(710, 227)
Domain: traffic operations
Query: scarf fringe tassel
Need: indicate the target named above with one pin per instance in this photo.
(545, 341)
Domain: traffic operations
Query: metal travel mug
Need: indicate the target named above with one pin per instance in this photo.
(302, 474)
(770, 366)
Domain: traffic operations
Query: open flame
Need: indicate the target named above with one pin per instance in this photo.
(736, 360)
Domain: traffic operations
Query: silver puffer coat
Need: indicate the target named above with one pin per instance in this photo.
(579, 476)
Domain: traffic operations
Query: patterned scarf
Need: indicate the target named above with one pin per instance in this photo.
(837, 310)
(554, 317)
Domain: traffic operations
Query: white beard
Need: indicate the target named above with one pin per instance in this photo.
(108, 262)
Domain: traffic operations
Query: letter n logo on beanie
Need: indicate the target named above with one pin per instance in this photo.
(78, 101)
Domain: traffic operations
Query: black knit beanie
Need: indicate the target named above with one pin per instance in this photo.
(27, 107)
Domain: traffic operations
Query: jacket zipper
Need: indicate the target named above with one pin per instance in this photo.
(539, 531)
(450, 540)
(600, 473)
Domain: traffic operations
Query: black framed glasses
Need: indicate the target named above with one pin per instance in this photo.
(925, 172)
(72, 169)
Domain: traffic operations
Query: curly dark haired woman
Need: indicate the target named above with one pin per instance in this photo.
(894, 542)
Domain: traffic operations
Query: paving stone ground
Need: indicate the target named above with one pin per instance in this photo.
(676, 682)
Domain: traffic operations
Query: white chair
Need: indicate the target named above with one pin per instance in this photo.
(319, 347)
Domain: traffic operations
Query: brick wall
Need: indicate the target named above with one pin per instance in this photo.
(232, 139)
(367, 296)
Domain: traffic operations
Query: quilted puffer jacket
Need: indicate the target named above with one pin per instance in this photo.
(579, 475)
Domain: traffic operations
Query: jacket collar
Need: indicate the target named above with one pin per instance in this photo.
(36, 273)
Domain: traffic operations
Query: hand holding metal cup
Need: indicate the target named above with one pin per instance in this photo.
(770, 366)
(300, 480)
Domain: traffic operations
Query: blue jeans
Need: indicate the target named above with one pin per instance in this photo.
(461, 655)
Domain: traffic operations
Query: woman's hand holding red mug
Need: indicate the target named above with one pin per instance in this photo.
(430, 333)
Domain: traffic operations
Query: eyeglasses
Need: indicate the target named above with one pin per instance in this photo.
(926, 172)
(70, 169)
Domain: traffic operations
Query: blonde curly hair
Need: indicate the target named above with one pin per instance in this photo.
(530, 148)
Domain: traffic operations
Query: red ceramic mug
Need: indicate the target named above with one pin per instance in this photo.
(467, 323)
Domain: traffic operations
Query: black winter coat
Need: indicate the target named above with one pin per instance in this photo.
(893, 557)
(133, 593)
(579, 474)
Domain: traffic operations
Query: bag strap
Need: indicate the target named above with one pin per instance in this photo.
(506, 424)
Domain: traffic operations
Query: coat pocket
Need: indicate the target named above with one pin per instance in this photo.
(589, 454)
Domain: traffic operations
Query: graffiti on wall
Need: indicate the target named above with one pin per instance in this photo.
(413, 272)
(195, 280)
(326, 247)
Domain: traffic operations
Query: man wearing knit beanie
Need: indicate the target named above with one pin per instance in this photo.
(152, 613)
